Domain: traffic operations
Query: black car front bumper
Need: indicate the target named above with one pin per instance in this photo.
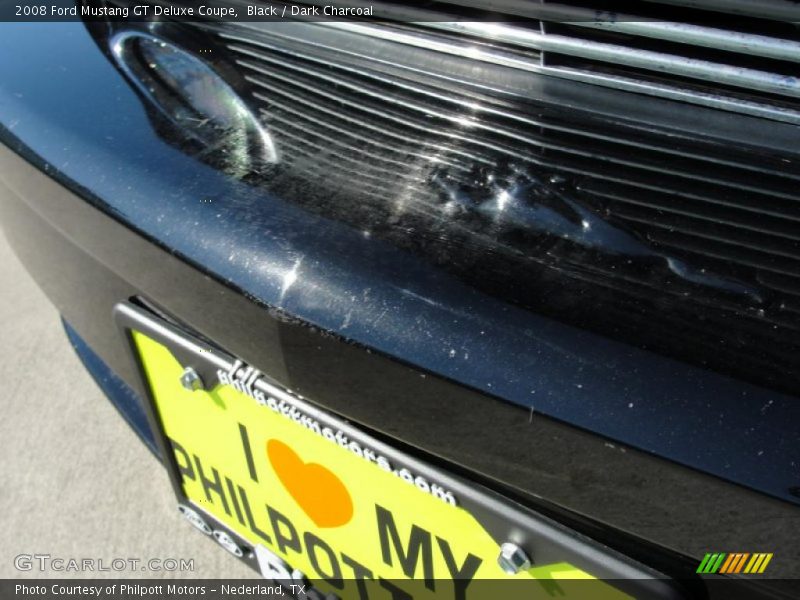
(101, 210)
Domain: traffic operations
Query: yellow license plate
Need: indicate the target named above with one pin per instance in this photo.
(315, 502)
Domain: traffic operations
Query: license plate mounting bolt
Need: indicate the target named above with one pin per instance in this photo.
(191, 380)
(513, 559)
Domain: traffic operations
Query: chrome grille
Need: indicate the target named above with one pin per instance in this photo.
(377, 132)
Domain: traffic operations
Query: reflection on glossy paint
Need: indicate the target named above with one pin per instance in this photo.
(530, 203)
(290, 277)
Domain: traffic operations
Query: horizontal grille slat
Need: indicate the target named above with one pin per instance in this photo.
(779, 10)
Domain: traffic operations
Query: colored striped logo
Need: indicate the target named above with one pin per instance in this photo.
(734, 562)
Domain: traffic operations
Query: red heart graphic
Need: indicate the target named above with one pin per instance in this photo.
(319, 492)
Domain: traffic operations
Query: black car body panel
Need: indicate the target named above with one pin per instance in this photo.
(452, 358)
